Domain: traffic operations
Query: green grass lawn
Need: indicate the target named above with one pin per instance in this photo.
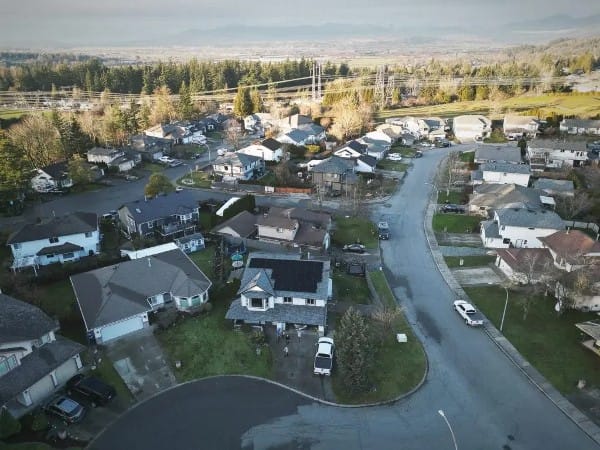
(455, 223)
(452, 197)
(204, 260)
(469, 261)
(383, 289)
(198, 179)
(11, 114)
(153, 167)
(467, 157)
(354, 229)
(396, 166)
(58, 300)
(550, 342)
(214, 135)
(107, 372)
(350, 289)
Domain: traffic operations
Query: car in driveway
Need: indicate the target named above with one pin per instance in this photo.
(451, 208)
(394, 157)
(324, 357)
(468, 313)
(354, 248)
(65, 408)
(95, 390)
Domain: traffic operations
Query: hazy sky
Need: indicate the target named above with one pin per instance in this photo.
(71, 21)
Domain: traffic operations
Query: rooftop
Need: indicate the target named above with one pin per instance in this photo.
(522, 217)
(69, 224)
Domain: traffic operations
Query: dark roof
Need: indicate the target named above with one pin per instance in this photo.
(183, 202)
(489, 153)
(335, 164)
(57, 170)
(74, 223)
(356, 146)
(107, 294)
(20, 321)
(243, 223)
(236, 159)
(304, 215)
(271, 144)
(189, 238)
(554, 185)
(37, 365)
(291, 275)
(368, 160)
(150, 144)
(555, 144)
(59, 249)
(297, 135)
(521, 217)
(301, 314)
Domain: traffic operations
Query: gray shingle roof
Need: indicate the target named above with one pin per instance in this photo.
(368, 160)
(505, 168)
(356, 146)
(521, 217)
(183, 202)
(489, 153)
(271, 144)
(581, 123)
(554, 144)
(334, 164)
(56, 170)
(301, 314)
(490, 228)
(505, 195)
(108, 294)
(59, 249)
(20, 321)
(74, 223)
(243, 223)
(37, 365)
(554, 185)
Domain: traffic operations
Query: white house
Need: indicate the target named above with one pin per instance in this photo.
(580, 289)
(580, 126)
(52, 177)
(258, 121)
(555, 154)
(351, 149)
(55, 240)
(282, 290)
(503, 173)
(268, 150)
(517, 126)
(111, 157)
(112, 306)
(469, 128)
(34, 361)
(519, 227)
(238, 166)
(294, 227)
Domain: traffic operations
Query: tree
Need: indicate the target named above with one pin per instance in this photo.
(242, 103)
(9, 426)
(387, 317)
(353, 342)
(38, 140)
(449, 174)
(158, 184)
(80, 171)
(257, 103)
(570, 207)
(522, 144)
(163, 109)
(348, 120)
(185, 106)
(233, 135)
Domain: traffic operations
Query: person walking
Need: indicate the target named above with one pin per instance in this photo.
(285, 351)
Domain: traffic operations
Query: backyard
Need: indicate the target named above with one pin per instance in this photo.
(196, 179)
(396, 166)
(349, 230)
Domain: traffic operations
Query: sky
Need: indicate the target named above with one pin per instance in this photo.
(87, 21)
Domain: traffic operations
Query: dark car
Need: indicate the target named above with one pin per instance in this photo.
(450, 208)
(354, 248)
(92, 388)
(442, 143)
(418, 154)
(66, 409)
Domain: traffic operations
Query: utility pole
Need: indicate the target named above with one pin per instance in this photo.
(379, 89)
(313, 75)
(319, 86)
(389, 89)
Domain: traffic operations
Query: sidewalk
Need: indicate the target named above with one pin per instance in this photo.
(580, 419)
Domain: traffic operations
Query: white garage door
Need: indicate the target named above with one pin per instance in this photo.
(121, 328)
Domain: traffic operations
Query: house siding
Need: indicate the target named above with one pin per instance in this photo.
(506, 178)
(90, 244)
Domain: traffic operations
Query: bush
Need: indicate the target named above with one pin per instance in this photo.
(40, 422)
(9, 426)
(207, 307)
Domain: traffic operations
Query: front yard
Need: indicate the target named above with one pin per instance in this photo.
(455, 223)
(350, 289)
(196, 179)
(349, 230)
(396, 166)
(469, 261)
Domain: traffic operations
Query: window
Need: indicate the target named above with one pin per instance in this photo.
(69, 255)
(7, 363)
(150, 224)
(53, 240)
(310, 301)
(88, 234)
(531, 228)
(279, 230)
(256, 302)
(183, 302)
(287, 299)
(16, 246)
(506, 241)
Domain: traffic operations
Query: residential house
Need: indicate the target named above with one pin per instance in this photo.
(268, 150)
(351, 149)
(519, 227)
(495, 154)
(178, 133)
(282, 290)
(524, 265)
(288, 227)
(556, 154)
(394, 132)
(375, 148)
(191, 243)
(34, 361)
(112, 306)
(316, 133)
(293, 122)
(468, 128)
(240, 226)
(572, 249)
(504, 173)
(592, 329)
(52, 177)
(580, 126)
(295, 137)
(335, 175)
(233, 166)
(112, 157)
(421, 128)
(488, 197)
(580, 289)
(258, 121)
(553, 187)
(516, 127)
(172, 215)
(55, 240)
(365, 164)
(150, 148)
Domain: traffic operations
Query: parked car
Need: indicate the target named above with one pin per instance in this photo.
(394, 157)
(450, 208)
(166, 159)
(468, 313)
(354, 248)
(65, 408)
(324, 357)
(442, 143)
(175, 163)
(384, 230)
(418, 154)
(92, 388)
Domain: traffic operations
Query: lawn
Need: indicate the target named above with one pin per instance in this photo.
(456, 197)
(152, 167)
(396, 166)
(196, 179)
(12, 114)
(383, 289)
(204, 260)
(354, 229)
(455, 223)
(467, 157)
(469, 261)
(350, 289)
(107, 372)
(550, 342)
(207, 345)
(58, 300)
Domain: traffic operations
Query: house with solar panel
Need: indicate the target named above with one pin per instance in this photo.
(281, 290)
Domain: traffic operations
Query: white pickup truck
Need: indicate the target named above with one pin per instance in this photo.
(468, 313)
(324, 356)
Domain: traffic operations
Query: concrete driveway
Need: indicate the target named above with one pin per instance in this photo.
(474, 276)
(139, 360)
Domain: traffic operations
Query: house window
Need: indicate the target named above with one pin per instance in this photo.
(88, 234)
(506, 241)
(310, 301)
(53, 240)
(7, 363)
(150, 224)
(531, 228)
(69, 255)
(279, 230)
(16, 246)
(183, 302)
(287, 299)
(256, 302)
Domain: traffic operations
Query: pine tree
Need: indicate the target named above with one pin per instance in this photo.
(242, 104)
(185, 106)
(354, 351)
(257, 103)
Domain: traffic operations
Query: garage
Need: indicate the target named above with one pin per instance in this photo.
(118, 329)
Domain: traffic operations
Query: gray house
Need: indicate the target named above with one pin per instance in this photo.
(335, 175)
(34, 361)
(495, 154)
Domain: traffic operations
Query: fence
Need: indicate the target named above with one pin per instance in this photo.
(582, 225)
(257, 188)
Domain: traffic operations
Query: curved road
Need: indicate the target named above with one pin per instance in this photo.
(487, 400)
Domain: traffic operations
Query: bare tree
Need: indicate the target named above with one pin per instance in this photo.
(386, 316)
(449, 173)
(572, 206)
(233, 136)
(38, 139)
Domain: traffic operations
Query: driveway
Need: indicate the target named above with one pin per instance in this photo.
(139, 360)
(474, 276)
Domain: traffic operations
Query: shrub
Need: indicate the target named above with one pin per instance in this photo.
(40, 422)
(207, 307)
(9, 426)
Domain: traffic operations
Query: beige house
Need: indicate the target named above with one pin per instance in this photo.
(572, 249)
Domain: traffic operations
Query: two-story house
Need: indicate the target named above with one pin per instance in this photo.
(468, 128)
(294, 226)
(555, 154)
(171, 215)
(52, 177)
(233, 166)
(580, 126)
(111, 157)
(519, 227)
(281, 289)
(150, 148)
(351, 149)
(55, 240)
(515, 127)
(113, 306)
(268, 150)
(335, 175)
(485, 153)
(34, 360)
(504, 173)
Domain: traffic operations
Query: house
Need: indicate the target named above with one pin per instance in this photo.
(572, 249)
(293, 122)
(171, 215)
(295, 137)
(55, 240)
(515, 127)
(112, 306)
(150, 148)
(316, 133)
(580, 289)
(379, 136)
(191, 243)
(504, 173)
(524, 265)
(287, 226)
(112, 157)
(233, 166)
(351, 149)
(178, 133)
(592, 329)
(375, 148)
(52, 177)
(494, 154)
(258, 121)
(556, 154)
(519, 227)
(394, 132)
(268, 150)
(34, 361)
(335, 175)
(488, 197)
(580, 126)
(553, 187)
(469, 128)
(240, 226)
(283, 289)
(365, 164)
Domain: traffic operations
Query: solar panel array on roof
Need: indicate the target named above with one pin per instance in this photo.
(298, 275)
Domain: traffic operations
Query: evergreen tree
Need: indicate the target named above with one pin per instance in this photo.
(157, 184)
(185, 106)
(354, 351)
(257, 103)
(242, 103)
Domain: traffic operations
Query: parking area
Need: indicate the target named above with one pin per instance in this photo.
(95, 419)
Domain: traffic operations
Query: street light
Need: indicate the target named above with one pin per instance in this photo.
(504, 311)
(441, 413)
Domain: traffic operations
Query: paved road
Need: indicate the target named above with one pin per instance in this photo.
(487, 400)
